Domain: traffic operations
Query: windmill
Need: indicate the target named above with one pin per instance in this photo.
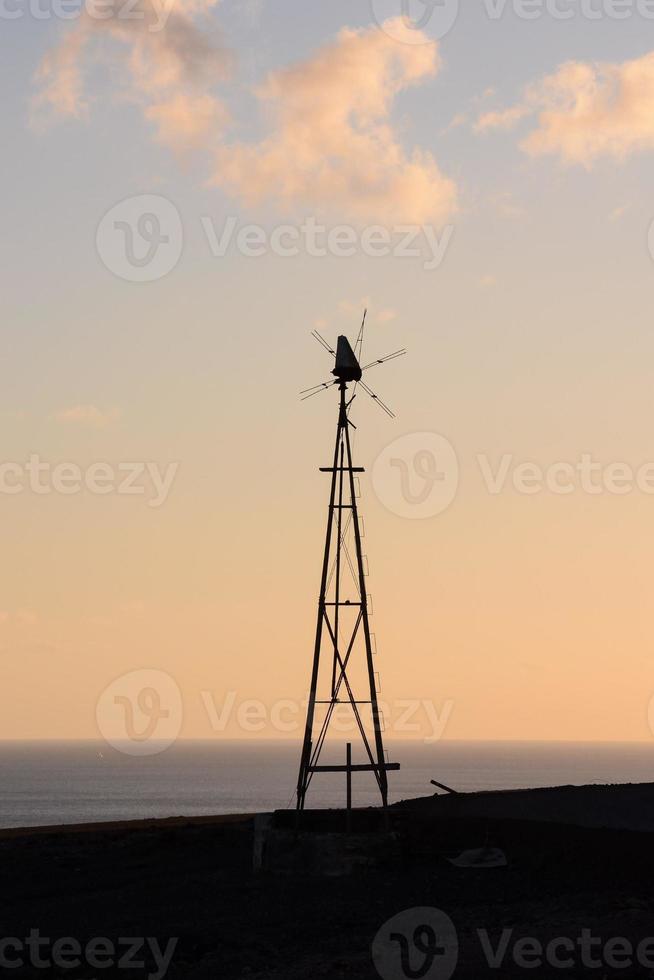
(343, 627)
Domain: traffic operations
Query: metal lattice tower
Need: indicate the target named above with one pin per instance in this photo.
(343, 628)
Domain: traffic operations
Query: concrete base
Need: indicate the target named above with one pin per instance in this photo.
(286, 851)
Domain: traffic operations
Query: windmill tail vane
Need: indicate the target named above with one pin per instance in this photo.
(347, 367)
(343, 670)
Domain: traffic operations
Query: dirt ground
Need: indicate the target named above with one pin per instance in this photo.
(575, 888)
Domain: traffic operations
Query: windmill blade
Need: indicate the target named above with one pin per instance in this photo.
(310, 392)
(384, 407)
(359, 343)
(383, 360)
(323, 384)
(357, 353)
(323, 343)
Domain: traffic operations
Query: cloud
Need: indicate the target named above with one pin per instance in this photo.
(385, 316)
(87, 415)
(349, 308)
(589, 111)
(59, 79)
(332, 144)
(21, 617)
(163, 60)
(187, 122)
(26, 617)
(459, 120)
(619, 212)
(586, 111)
(505, 119)
(352, 311)
(505, 205)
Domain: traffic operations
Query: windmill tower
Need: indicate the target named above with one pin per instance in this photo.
(344, 644)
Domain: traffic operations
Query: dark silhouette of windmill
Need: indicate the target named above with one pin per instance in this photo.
(344, 616)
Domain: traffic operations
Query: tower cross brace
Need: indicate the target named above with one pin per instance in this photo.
(330, 629)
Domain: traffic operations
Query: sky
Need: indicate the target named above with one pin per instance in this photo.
(188, 190)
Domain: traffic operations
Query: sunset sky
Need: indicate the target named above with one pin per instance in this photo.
(525, 147)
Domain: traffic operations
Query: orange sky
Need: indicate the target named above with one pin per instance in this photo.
(518, 156)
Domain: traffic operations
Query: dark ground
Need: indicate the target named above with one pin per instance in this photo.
(193, 880)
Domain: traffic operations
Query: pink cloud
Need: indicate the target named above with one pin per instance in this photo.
(589, 111)
(585, 111)
(164, 61)
(504, 119)
(87, 415)
(187, 122)
(59, 79)
(332, 144)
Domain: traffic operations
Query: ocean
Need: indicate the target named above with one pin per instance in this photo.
(80, 782)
